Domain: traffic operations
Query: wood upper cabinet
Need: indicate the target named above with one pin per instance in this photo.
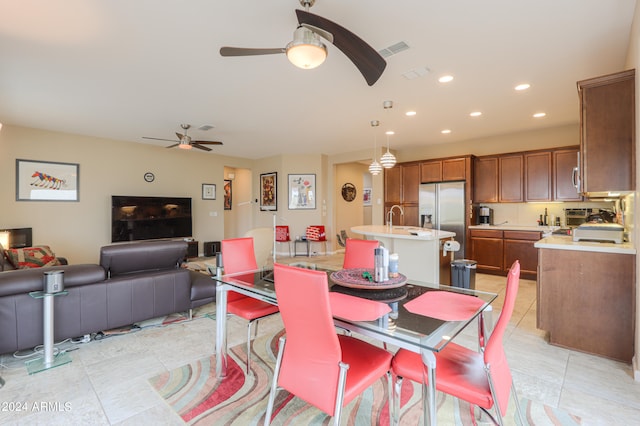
(393, 185)
(447, 170)
(431, 171)
(485, 180)
(565, 175)
(510, 171)
(401, 187)
(537, 176)
(410, 183)
(454, 169)
(607, 132)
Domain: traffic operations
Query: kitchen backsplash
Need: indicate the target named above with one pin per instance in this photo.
(528, 214)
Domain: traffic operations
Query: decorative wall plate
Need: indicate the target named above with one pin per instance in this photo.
(349, 192)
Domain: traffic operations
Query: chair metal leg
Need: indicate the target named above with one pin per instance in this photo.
(249, 345)
(190, 314)
(516, 400)
(397, 391)
(342, 380)
(274, 382)
(390, 398)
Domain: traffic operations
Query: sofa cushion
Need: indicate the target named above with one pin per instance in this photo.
(147, 256)
(32, 257)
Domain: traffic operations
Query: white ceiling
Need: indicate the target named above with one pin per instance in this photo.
(123, 69)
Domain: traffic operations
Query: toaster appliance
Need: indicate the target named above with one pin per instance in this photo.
(603, 232)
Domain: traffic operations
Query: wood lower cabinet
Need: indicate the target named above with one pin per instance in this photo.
(519, 245)
(496, 250)
(586, 301)
(487, 249)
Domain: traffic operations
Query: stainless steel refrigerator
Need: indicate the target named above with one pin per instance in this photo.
(442, 207)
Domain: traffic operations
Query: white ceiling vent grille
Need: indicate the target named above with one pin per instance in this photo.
(393, 49)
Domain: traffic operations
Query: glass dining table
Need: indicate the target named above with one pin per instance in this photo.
(423, 317)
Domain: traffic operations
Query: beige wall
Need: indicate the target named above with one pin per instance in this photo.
(349, 213)
(78, 229)
(536, 139)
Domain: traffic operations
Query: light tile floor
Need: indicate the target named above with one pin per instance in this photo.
(107, 381)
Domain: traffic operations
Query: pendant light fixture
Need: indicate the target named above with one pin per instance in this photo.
(388, 160)
(374, 168)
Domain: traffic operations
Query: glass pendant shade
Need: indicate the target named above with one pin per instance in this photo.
(306, 51)
(375, 168)
(388, 160)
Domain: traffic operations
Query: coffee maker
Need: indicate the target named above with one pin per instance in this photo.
(485, 216)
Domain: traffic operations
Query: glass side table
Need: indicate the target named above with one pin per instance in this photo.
(49, 360)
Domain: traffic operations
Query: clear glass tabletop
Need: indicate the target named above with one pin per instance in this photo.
(401, 327)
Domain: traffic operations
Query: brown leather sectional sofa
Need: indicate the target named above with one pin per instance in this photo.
(132, 283)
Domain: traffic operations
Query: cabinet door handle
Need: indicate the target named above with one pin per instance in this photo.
(575, 178)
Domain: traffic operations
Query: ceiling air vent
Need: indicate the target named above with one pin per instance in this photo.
(393, 49)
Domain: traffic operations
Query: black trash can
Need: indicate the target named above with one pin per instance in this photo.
(463, 273)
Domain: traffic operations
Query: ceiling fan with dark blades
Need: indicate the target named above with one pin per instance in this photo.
(185, 142)
(307, 50)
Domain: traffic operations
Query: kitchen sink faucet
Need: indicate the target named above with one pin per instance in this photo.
(390, 218)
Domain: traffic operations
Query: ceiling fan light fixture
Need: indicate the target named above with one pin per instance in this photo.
(184, 145)
(306, 51)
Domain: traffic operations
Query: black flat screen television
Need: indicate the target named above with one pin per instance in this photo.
(148, 218)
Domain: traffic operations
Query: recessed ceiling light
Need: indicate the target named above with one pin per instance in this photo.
(445, 78)
(410, 113)
(389, 132)
(539, 114)
(445, 131)
(475, 114)
(523, 86)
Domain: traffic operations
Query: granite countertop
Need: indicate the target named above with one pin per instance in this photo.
(402, 232)
(561, 242)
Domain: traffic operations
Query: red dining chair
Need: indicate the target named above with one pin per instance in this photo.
(314, 363)
(238, 256)
(480, 378)
(316, 234)
(359, 253)
(283, 236)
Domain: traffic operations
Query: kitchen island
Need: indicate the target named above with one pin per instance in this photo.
(586, 295)
(419, 254)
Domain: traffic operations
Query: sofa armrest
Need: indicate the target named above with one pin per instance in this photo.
(22, 281)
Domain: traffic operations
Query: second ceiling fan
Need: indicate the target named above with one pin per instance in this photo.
(307, 50)
(185, 142)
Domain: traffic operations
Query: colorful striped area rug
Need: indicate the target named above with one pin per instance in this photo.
(240, 399)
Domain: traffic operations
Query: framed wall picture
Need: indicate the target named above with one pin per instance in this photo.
(47, 181)
(366, 196)
(302, 192)
(208, 191)
(227, 194)
(268, 191)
